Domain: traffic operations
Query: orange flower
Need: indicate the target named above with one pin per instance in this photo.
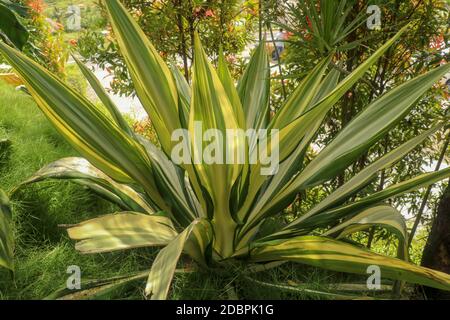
(231, 59)
(73, 42)
(437, 42)
(37, 6)
(309, 22)
(210, 13)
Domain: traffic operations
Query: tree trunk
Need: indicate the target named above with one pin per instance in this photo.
(436, 254)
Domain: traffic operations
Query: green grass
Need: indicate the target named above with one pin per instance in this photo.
(43, 251)
(65, 3)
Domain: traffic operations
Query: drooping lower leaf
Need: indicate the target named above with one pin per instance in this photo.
(80, 171)
(125, 230)
(383, 216)
(164, 266)
(329, 216)
(338, 256)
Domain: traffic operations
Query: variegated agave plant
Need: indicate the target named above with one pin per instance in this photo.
(214, 213)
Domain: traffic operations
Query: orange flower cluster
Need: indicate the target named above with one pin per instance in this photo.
(202, 12)
(36, 6)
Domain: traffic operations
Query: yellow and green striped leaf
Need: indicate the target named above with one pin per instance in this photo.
(211, 109)
(228, 84)
(151, 76)
(164, 266)
(367, 174)
(332, 215)
(121, 231)
(80, 171)
(253, 90)
(337, 256)
(104, 97)
(87, 129)
(365, 130)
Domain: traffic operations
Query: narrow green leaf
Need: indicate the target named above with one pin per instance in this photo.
(383, 216)
(337, 256)
(6, 233)
(364, 131)
(253, 89)
(332, 215)
(184, 95)
(367, 174)
(151, 77)
(301, 98)
(80, 171)
(104, 97)
(164, 266)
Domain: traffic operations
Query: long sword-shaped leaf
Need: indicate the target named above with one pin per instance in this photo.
(367, 174)
(253, 89)
(164, 266)
(291, 134)
(80, 171)
(87, 129)
(365, 130)
(337, 256)
(6, 233)
(104, 97)
(184, 95)
(211, 111)
(121, 231)
(151, 77)
(328, 101)
(171, 181)
(289, 167)
(239, 191)
(383, 216)
(228, 84)
(368, 127)
(332, 215)
(301, 98)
